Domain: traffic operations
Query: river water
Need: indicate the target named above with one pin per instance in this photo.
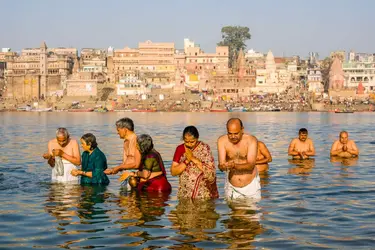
(308, 205)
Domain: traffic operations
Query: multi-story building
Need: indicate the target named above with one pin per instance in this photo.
(93, 60)
(359, 72)
(36, 73)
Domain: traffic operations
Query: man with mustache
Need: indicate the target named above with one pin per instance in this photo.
(301, 147)
(237, 155)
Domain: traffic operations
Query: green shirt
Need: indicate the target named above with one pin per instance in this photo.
(95, 163)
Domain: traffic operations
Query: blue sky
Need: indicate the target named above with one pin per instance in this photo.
(287, 27)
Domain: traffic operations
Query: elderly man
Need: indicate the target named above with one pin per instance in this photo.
(63, 156)
(131, 154)
(344, 147)
(237, 154)
(301, 147)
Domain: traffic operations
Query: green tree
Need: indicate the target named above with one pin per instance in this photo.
(325, 67)
(234, 37)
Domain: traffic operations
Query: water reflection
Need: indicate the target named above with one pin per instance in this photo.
(89, 210)
(192, 219)
(302, 167)
(62, 201)
(243, 224)
(339, 161)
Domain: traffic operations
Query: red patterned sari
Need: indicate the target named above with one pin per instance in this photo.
(193, 182)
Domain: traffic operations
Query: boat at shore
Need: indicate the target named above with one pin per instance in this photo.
(238, 109)
(42, 110)
(344, 111)
(143, 110)
(218, 110)
(81, 110)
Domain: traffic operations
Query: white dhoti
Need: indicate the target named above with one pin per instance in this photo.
(67, 176)
(252, 190)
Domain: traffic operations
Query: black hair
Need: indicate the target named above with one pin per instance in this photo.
(303, 131)
(191, 130)
(90, 139)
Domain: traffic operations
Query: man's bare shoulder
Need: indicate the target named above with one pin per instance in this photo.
(249, 137)
(52, 140)
(73, 141)
(308, 140)
(222, 139)
(294, 141)
(261, 144)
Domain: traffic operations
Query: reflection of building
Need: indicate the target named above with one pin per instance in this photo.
(37, 73)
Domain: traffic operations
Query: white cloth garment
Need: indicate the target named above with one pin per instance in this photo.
(252, 190)
(66, 177)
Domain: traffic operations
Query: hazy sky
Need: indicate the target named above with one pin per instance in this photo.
(287, 27)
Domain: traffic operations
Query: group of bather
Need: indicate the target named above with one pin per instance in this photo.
(241, 156)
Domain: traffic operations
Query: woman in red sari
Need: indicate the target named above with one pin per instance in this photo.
(194, 163)
(151, 175)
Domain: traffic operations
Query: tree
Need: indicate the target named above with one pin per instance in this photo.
(325, 67)
(234, 37)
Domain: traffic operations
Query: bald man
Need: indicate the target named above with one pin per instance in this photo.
(344, 147)
(237, 155)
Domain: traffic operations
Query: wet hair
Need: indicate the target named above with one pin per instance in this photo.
(235, 119)
(145, 144)
(62, 131)
(303, 131)
(90, 139)
(344, 132)
(125, 123)
(190, 130)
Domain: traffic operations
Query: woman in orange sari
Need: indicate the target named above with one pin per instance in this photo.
(194, 163)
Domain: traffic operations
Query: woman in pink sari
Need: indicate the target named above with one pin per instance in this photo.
(194, 163)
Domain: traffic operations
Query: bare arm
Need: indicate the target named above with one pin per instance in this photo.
(252, 151)
(334, 150)
(291, 148)
(177, 168)
(264, 151)
(311, 151)
(223, 164)
(49, 156)
(76, 172)
(132, 162)
(353, 149)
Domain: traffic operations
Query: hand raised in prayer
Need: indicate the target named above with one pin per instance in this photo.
(345, 148)
(188, 154)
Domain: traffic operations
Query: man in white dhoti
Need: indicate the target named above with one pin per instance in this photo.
(63, 156)
(237, 155)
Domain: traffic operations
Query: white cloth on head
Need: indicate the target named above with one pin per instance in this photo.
(67, 176)
(252, 190)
